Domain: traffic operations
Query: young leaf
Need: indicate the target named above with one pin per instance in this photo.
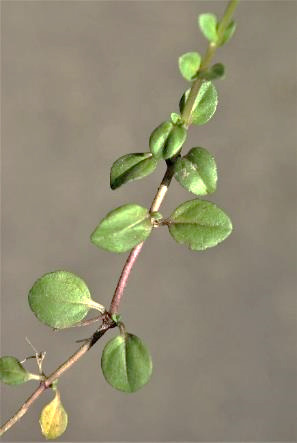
(158, 138)
(199, 224)
(166, 140)
(123, 228)
(175, 118)
(197, 172)
(208, 26)
(126, 363)
(61, 299)
(205, 104)
(156, 216)
(229, 31)
(53, 419)
(116, 318)
(174, 142)
(189, 64)
(12, 372)
(213, 73)
(131, 167)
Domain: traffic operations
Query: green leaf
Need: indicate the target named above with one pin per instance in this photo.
(176, 118)
(205, 104)
(215, 72)
(123, 228)
(126, 363)
(174, 142)
(131, 167)
(12, 372)
(117, 318)
(229, 31)
(199, 224)
(197, 171)
(208, 26)
(189, 64)
(158, 138)
(166, 140)
(53, 419)
(156, 216)
(61, 299)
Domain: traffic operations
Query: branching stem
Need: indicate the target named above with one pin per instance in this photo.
(107, 322)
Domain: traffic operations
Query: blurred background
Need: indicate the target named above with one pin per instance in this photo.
(85, 82)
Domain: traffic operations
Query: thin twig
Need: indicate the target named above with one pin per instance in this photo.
(107, 322)
(55, 375)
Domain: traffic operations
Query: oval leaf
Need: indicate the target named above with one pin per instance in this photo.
(158, 138)
(174, 142)
(208, 26)
(199, 224)
(60, 299)
(205, 104)
(131, 167)
(12, 372)
(53, 419)
(189, 64)
(197, 172)
(213, 73)
(123, 228)
(126, 363)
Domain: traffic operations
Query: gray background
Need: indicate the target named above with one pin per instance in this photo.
(86, 82)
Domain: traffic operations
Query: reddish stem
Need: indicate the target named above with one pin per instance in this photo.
(114, 305)
(132, 257)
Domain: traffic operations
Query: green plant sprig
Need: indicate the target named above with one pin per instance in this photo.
(61, 299)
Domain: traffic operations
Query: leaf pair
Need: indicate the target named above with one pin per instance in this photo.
(198, 224)
(61, 299)
(209, 25)
(189, 65)
(166, 140)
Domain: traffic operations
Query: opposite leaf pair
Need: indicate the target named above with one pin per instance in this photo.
(61, 299)
(165, 141)
(189, 64)
(196, 223)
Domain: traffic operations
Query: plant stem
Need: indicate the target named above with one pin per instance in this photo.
(210, 52)
(107, 323)
(162, 190)
(55, 375)
(155, 206)
(227, 17)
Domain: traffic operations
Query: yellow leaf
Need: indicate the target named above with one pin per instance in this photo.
(53, 419)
